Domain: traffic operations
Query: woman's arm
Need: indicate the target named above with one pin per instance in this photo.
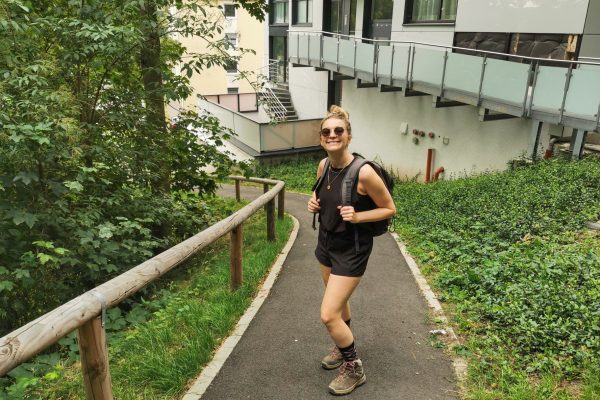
(313, 203)
(371, 184)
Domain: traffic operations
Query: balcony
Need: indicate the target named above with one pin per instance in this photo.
(565, 92)
(264, 139)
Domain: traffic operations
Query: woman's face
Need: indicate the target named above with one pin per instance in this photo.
(335, 135)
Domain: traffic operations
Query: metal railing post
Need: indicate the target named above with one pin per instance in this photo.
(444, 73)
(535, 76)
(479, 93)
(564, 99)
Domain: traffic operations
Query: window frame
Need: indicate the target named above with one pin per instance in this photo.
(272, 4)
(309, 21)
(408, 6)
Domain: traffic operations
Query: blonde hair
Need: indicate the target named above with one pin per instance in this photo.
(338, 112)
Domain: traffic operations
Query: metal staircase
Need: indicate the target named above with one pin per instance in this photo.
(275, 95)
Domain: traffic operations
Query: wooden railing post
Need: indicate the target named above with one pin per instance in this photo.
(271, 220)
(94, 360)
(281, 203)
(235, 264)
(237, 190)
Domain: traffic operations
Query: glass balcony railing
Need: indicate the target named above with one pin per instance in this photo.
(564, 92)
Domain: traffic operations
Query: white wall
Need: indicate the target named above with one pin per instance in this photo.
(473, 146)
(523, 16)
(308, 89)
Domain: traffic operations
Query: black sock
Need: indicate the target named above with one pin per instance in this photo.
(349, 353)
(348, 322)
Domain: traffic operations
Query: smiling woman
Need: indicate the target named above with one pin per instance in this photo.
(343, 247)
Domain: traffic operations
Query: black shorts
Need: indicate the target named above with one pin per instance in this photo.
(337, 250)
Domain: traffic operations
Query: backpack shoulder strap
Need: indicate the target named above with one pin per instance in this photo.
(351, 179)
(319, 181)
(316, 187)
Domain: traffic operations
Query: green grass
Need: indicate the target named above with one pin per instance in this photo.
(508, 254)
(299, 175)
(160, 358)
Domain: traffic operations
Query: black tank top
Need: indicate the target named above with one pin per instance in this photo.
(329, 215)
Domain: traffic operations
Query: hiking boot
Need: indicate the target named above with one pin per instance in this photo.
(332, 360)
(351, 376)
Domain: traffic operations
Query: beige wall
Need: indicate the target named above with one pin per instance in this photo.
(250, 34)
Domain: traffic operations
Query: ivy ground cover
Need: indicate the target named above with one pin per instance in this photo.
(509, 255)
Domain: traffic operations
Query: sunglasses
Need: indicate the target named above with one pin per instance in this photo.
(338, 130)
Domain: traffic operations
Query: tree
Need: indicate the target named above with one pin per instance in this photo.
(88, 160)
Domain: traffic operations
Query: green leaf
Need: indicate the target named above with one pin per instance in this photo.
(44, 258)
(6, 286)
(74, 185)
(29, 219)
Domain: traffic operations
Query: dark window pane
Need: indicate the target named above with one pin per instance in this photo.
(449, 10)
(231, 66)
(432, 10)
(336, 11)
(302, 11)
(279, 13)
(229, 10)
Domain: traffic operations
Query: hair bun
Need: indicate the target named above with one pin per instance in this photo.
(338, 111)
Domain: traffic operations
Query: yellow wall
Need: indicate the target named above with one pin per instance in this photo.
(251, 35)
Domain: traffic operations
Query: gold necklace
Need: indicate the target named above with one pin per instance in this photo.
(329, 182)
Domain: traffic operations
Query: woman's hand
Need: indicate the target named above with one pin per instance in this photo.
(313, 205)
(348, 214)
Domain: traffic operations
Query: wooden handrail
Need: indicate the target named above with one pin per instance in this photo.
(34, 337)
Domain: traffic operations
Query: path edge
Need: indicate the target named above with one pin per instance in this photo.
(210, 371)
(458, 363)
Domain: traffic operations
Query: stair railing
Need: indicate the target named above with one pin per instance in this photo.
(273, 105)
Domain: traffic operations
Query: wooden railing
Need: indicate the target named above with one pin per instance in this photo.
(85, 313)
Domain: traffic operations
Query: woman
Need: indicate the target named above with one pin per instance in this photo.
(342, 264)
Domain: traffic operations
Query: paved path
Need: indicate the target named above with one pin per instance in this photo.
(279, 355)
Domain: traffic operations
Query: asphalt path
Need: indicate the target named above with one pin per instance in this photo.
(278, 357)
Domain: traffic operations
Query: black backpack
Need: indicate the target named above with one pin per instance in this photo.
(350, 193)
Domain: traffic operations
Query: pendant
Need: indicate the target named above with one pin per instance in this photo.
(328, 187)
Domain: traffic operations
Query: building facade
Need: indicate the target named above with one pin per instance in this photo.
(463, 85)
(242, 31)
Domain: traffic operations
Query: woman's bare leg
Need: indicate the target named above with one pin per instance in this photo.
(337, 292)
(325, 272)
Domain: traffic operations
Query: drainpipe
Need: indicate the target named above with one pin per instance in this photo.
(550, 150)
(437, 173)
(428, 165)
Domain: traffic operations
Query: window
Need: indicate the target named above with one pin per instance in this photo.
(229, 10)
(232, 39)
(279, 12)
(302, 12)
(430, 11)
(232, 90)
(231, 65)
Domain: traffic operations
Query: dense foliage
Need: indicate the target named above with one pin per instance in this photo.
(159, 343)
(511, 252)
(90, 170)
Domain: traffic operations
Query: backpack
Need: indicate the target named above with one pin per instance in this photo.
(350, 193)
